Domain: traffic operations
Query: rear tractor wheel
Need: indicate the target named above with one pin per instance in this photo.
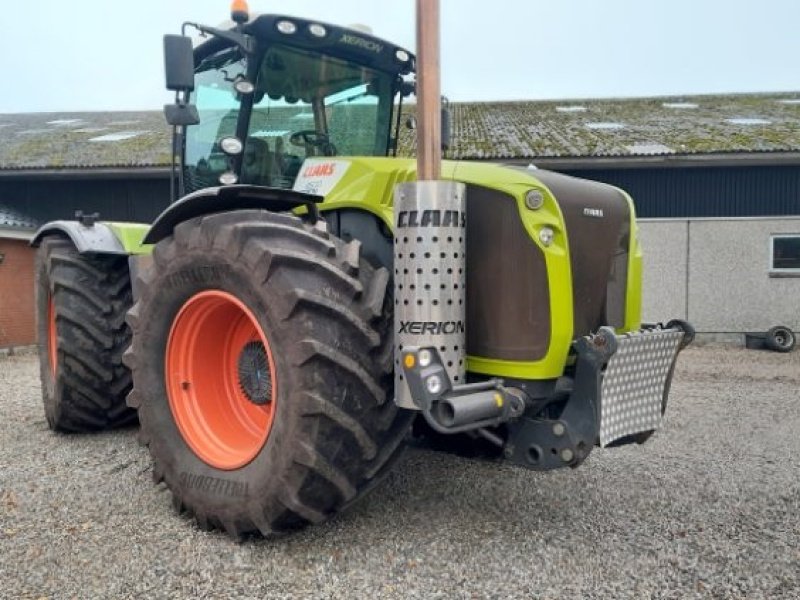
(81, 303)
(261, 362)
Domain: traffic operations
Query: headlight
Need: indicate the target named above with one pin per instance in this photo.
(231, 146)
(402, 56)
(546, 236)
(534, 199)
(425, 358)
(228, 178)
(317, 30)
(244, 87)
(286, 27)
(434, 384)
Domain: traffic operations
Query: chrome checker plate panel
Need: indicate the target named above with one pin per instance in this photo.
(633, 385)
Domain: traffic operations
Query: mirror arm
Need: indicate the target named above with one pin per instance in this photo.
(245, 42)
(396, 141)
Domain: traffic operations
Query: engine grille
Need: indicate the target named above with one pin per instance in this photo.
(508, 296)
(597, 217)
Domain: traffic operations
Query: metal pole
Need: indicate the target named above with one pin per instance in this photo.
(429, 103)
(430, 236)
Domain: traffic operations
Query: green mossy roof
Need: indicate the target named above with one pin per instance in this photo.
(487, 130)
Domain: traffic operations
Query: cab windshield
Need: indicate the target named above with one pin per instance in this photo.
(305, 104)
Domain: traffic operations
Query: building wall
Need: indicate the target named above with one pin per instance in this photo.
(692, 192)
(42, 199)
(115, 199)
(664, 272)
(17, 327)
(715, 273)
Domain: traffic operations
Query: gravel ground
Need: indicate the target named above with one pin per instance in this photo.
(709, 508)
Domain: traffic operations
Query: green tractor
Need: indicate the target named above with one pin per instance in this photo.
(296, 310)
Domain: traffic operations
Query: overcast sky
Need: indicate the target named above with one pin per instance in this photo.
(92, 55)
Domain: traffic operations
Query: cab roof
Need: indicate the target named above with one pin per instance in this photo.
(342, 42)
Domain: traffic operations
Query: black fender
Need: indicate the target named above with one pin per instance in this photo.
(231, 197)
(88, 236)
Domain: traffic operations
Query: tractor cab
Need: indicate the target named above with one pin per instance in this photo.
(276, 90)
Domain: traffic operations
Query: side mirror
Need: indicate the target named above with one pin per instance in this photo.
(179, 63)
(181, 114)
(407, 88)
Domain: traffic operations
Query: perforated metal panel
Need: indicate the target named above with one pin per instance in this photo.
(430, 275)
(633, 385)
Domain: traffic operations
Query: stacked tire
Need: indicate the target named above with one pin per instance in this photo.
(780, 339)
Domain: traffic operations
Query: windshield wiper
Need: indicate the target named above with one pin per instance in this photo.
(349, 99)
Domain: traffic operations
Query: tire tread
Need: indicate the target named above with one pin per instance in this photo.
(91, 295)
(335, 307)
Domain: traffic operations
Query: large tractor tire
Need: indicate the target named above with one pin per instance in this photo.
(262, 369)
(81, 302)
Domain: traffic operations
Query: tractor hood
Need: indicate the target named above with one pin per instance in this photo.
(542, 248)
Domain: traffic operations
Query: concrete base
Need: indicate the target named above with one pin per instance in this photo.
(731, 339)
(17, 351)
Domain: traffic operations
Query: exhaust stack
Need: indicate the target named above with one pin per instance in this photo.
(429, 277)
(430, 227)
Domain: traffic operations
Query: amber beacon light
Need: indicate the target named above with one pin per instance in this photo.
(240, 12)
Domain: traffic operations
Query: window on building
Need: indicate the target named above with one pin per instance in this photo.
(785, 255)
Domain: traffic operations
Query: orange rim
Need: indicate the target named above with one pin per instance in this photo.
(220, 378)
(52, 335)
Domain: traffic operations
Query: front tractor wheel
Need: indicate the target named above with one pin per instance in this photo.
(261, 361)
